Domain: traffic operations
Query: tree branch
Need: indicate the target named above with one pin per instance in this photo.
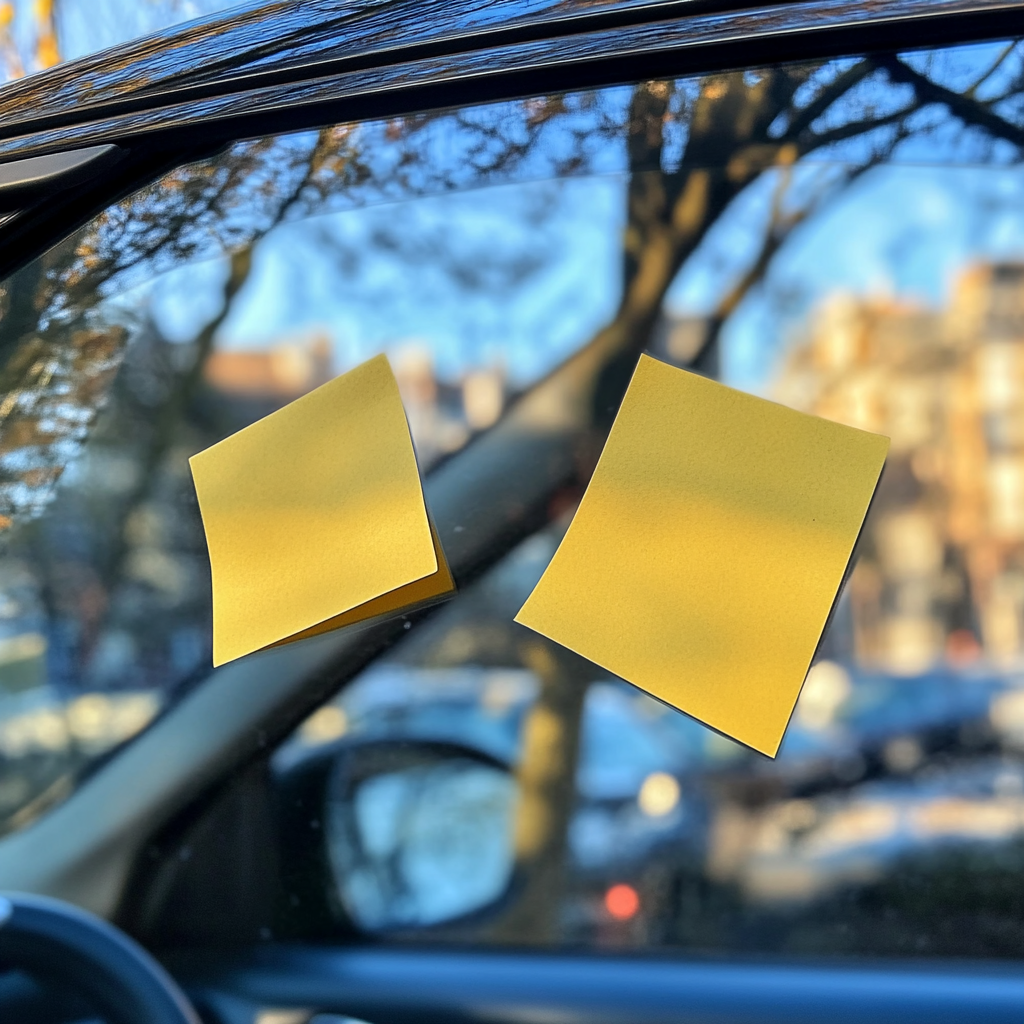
(802, 119)
(996, 65)
(968, 109)
(811, 141)
(47, 45)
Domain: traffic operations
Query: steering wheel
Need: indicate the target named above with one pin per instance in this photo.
(61, 945)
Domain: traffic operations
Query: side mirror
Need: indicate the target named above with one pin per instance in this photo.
(395, 835)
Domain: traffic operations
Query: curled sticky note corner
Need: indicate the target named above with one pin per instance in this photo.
(315, 517)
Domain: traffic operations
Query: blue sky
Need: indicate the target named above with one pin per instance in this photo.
(299, 287)
(902, 230)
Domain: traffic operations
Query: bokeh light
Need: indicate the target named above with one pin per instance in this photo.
(622, 901)
(659, 795)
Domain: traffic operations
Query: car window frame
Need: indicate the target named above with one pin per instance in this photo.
(319, 80)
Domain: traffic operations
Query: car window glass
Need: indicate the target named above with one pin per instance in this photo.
(883, 288)
(841, 236)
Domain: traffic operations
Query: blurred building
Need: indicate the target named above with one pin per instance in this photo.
(682, 339)
(260, 380)
(444, 414)
(941, 569)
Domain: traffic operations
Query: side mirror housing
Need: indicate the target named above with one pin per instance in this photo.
(386, 836)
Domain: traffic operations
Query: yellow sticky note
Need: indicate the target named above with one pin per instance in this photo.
(705, 556)
(315, 518)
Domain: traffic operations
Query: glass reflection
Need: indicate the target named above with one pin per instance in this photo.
(423, 845)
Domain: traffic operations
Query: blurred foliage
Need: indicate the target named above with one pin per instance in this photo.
(37, 34)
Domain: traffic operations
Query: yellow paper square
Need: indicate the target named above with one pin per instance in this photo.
(315, 518)
(705, 556)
